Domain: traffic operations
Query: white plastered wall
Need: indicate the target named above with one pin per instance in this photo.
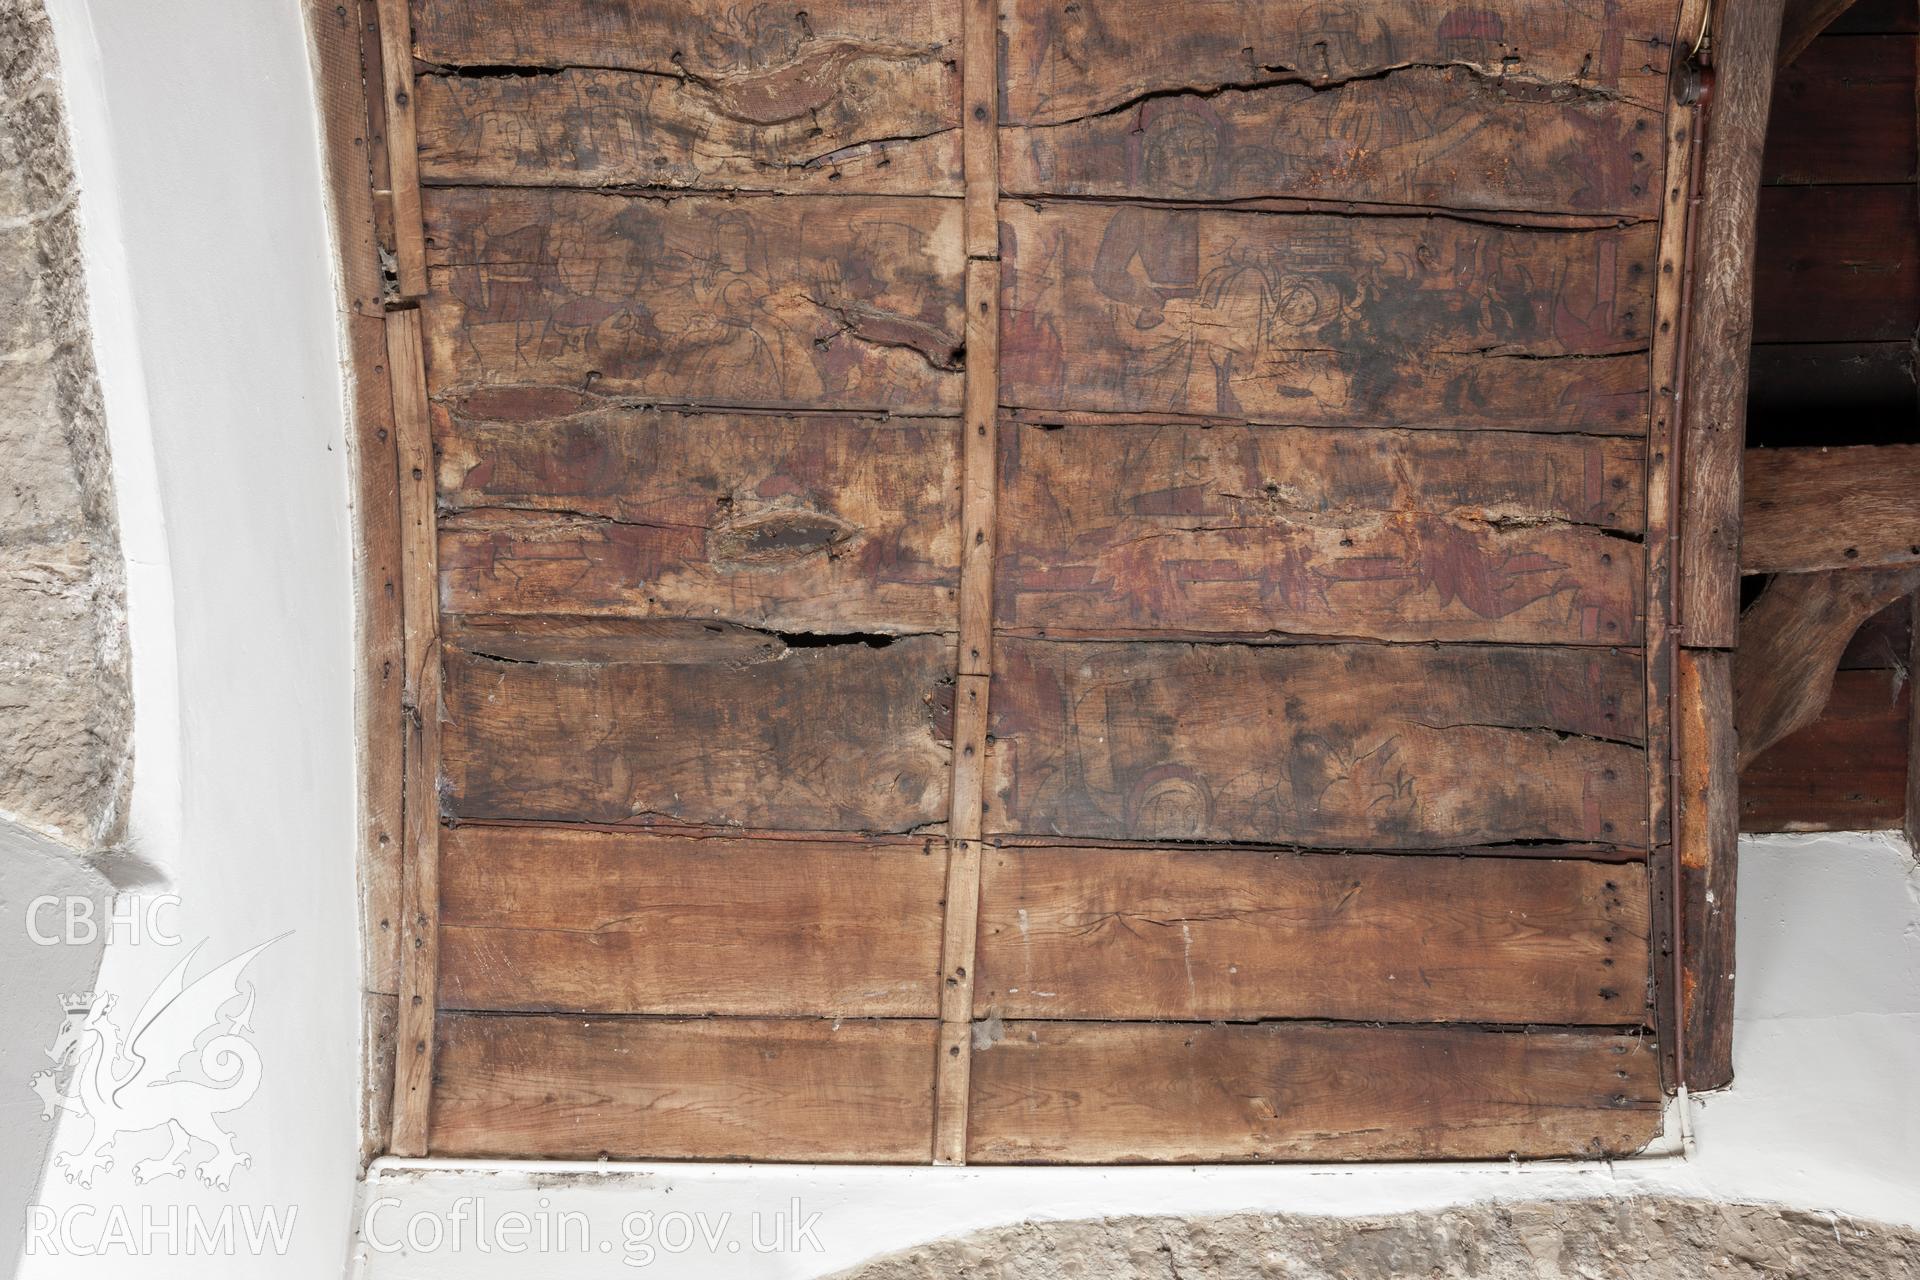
(211, 282)
(197, 144)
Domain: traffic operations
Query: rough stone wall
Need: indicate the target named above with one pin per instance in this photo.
(65, 698)
(1626, 1239)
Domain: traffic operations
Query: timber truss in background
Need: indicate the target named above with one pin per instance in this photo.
(1704, 710)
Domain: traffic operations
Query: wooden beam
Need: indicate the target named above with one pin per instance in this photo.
(1811, 509)
(979, 465)
(1792, 639)
(403, 156)
(1706, 840)
(1802, 24)
(1720, 323)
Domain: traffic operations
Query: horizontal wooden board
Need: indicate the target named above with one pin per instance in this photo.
(1849, 508)
(1843, 111)
(794, 522)
(1309, 320)
(1883, 641)
(1166, 1093)
(823, 302)
(1151, 934)
(1876, 17)
(537, 919)
(1318, 745)
(1065, 61)
(1424, 136)
(770, 60)
(1837, 264)
(569, 1088)
(839, 737)
(876, 123)
(1249, 530)
(1847, 771)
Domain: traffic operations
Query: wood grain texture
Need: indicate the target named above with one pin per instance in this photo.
(980, 519)
(559, 1088)
(1706, 841)
(1088, 933)
(1070, 60)
(1160, 1093)
(1720, 324)
(402, 150)
(1318, 745)
(1848, 508)
(838, 737)
(795, 522)
(1422, 136)
(789, 302)
(1837, 264)
(543, 920)
(423, 740)
(1844, 772)
(1306, 531)
(1312, 320)
(892, 128)
(770, 62)
(1802, 23)
(1791, 641)
(1843, 113)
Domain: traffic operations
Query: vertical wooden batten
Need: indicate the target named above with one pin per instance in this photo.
(403, 157)
(980, 93)
(420, 895)
(1678, 195)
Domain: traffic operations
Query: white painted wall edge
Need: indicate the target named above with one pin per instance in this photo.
(217, 335)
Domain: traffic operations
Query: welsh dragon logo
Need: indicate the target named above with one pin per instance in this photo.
(142, 1079)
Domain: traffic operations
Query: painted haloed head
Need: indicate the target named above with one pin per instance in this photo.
(1180, 147)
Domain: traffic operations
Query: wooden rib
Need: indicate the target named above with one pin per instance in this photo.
(1790, 644)
(403, 156)
(980, 95)
(1810, 509)
(420, 852)
(1135, 1093)
(1720, 323)
(1670, 288)
(1706, 831)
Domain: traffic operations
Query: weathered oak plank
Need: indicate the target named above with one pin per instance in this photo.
(1319, 745)
(1250, 530)
(1069, 60)
(1426, 137)
(838, 737)
(603, 128)
(1837, 264)
(790, 302)
(769, 62)
(559, 1088)
(541, 920)
(1312, 320)
(1182, 934)
(793, 522)
(1080, 1093)
(1843, 113)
